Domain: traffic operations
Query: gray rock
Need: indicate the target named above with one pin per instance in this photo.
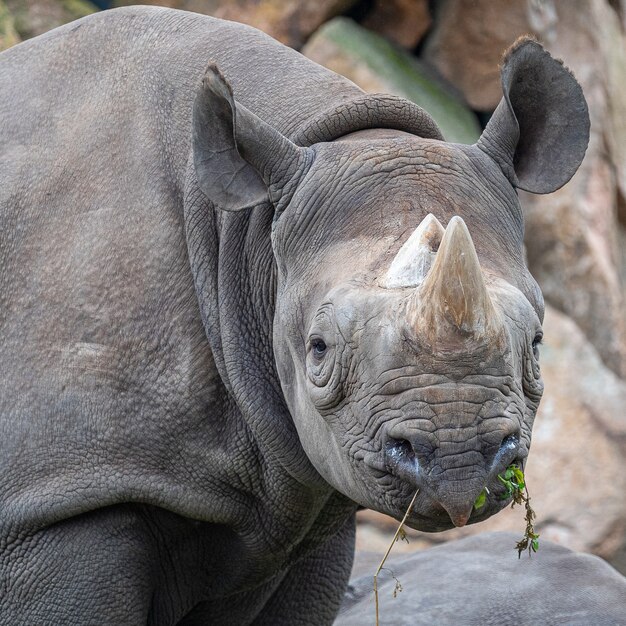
(479, 581)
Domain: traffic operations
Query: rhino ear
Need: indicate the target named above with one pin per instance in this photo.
(240, 161)
(539, 132)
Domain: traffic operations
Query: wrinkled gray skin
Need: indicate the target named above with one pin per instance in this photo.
(176, 446)
(479, 581)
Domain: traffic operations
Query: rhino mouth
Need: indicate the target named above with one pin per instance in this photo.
(442, 505)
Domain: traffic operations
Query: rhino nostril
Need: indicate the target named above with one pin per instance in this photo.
(507, 452)
(510, 442)
(400, 450)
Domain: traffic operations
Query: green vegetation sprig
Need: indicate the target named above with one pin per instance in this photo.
(515, 487)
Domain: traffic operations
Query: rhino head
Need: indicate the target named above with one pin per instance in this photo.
(406, 323)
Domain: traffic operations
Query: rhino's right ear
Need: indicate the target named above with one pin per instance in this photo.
(240, 161)
(539, 132)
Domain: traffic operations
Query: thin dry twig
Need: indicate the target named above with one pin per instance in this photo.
(530, 540)
(399, 533)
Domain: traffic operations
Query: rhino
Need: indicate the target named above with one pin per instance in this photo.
(241, 298)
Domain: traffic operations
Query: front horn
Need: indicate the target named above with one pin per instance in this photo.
(454, 294)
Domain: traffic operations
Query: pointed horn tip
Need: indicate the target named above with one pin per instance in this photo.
(457, 241)
(430, 219)
(432, 231)
(457, 225)
(413, 260)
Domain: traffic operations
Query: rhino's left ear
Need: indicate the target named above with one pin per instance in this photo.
(240, 161)
(539, 132)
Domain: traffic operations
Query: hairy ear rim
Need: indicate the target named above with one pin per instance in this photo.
(563, 125)
(539, 132)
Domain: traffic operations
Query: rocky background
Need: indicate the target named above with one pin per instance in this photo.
(444, 55)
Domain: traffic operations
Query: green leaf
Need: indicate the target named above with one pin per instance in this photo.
(480, 501)
(519, 477)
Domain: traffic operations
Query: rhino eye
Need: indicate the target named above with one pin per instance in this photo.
(536, 342)
(319, 347)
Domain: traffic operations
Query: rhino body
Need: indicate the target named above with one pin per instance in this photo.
(177, 444)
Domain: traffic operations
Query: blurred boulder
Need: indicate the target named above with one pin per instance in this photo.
(289, 21)
(571, 239)
(468, 39)
(402, 21)
(35, 17)
(574, 471)
(8, 34)
(573, 235)
(376, 65)
(479, 581)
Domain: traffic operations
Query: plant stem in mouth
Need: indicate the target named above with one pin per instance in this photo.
(398, 533)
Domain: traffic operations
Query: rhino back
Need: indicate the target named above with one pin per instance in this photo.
(110, 390)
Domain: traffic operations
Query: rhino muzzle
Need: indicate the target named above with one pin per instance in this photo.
(452, 479)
